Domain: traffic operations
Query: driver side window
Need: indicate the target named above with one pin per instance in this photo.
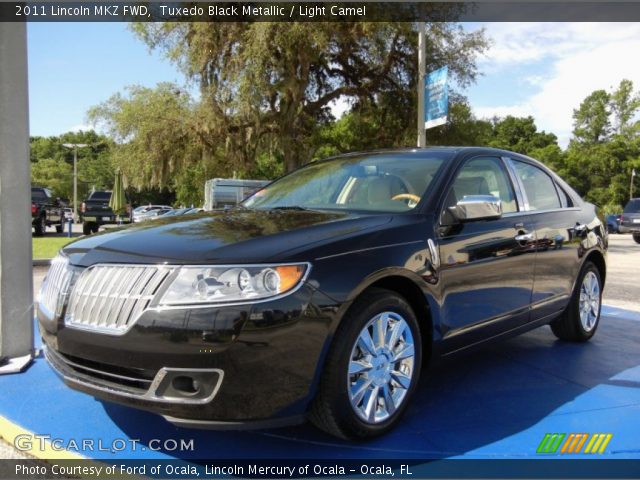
(481, 176)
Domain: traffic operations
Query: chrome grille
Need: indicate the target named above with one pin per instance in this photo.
(110, 298)
(54, 287)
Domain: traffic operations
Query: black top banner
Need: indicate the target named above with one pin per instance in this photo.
(353, 11)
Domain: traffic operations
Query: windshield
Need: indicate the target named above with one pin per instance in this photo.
(100, 196)
(376, 183)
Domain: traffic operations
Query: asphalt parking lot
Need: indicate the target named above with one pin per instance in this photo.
(622, 287)
(622, 291)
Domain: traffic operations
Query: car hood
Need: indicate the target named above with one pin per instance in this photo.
(234, 236)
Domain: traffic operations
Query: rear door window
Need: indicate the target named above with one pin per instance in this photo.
(539, 187)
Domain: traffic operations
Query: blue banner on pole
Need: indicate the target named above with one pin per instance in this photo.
(436, 98)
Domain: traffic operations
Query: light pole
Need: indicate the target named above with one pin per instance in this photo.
(422, 70)
(75, 147)
(633, 174)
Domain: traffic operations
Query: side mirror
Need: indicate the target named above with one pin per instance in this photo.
(477, 207)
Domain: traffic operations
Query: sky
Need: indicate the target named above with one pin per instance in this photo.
(540, 69)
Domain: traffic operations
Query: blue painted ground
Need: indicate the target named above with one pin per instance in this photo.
(496, 403)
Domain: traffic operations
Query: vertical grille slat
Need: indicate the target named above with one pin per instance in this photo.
(110, 298)
(86, 293)
(135, 297)
(96, 298)
(116, 285)
(118, 303)
(148, 292)
(55, 286)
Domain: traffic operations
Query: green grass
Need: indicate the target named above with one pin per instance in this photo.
(47, 247)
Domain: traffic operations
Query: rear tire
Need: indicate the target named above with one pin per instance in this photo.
(579, 321)
(60, 228)
(86, 228)
(40, 226)
(636, 237)
(369, 378)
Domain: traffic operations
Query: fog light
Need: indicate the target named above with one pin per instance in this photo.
(185, 385)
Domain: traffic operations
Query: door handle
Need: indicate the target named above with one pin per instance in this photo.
(524, 237)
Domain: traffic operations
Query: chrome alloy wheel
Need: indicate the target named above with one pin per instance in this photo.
(589, 301)
(381, 367)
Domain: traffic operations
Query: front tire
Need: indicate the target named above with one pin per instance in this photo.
(636, 237)
(372, 368)
(87, 228)
(578, 323)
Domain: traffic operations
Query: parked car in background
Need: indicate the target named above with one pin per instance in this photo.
(95, 211)
(143, 212)
(613, 223)
(228, 192)
(180, 211)
(46, 211)
(630, 219)
(68, 214)
(150, 212)
(321, 295)
(175, 212)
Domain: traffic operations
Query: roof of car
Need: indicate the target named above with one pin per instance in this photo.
(435, 148)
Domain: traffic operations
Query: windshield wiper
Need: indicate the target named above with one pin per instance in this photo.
(289, 207)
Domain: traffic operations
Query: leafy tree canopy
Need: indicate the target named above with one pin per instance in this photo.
(52, 163)
(265, 92)
(605, 146)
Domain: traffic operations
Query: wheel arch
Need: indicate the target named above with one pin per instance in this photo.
(400, 282)
(597, 258)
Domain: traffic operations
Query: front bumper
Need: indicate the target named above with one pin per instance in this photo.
(251, 363)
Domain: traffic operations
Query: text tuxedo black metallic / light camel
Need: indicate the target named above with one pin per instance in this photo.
(324, 294)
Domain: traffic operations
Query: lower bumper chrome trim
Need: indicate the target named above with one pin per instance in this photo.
(160, 390)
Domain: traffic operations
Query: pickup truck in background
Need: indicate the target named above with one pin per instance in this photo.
(95, 211)
(46, 211)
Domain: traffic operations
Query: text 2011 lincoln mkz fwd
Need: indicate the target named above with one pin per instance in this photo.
(321, 295)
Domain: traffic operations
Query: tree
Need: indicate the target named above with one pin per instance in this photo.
(624, 105)
(520, 134)
(591, 119)
(462, 128)
(57, 175)
(376, 127)
(48, 155)
(152, 129)
(605, 146)
(270, 80)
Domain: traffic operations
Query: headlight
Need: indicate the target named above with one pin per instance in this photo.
(222, 284)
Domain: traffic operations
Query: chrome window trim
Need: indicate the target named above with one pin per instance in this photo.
(512, 171)
(521, 195)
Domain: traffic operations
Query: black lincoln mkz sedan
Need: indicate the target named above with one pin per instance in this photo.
(323, 294)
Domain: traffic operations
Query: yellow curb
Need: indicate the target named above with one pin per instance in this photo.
(9, 431)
